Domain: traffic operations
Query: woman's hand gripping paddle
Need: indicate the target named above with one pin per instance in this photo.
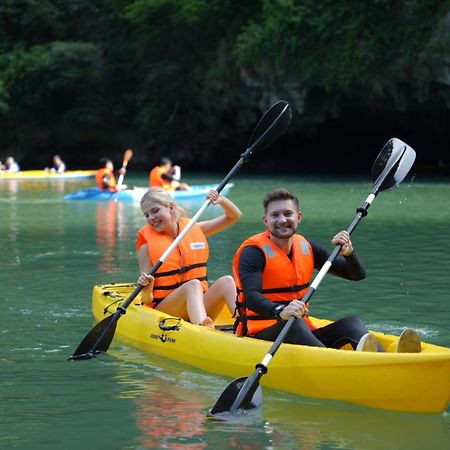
(388, 171)
(271, 126)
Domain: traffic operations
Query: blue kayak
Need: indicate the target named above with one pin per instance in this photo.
(195, 194)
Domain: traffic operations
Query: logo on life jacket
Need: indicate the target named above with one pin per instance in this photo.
(197, 245)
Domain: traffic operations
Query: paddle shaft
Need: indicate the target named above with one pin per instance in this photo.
(360, 213)
(270, 127)
(389, 169)
(119, 183)
(251, 384)
(126, 157)
(122, 176)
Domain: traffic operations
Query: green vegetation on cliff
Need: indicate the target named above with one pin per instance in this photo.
(190, 77)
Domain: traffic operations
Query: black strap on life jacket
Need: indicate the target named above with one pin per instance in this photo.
(297, 287)
(183, 269)
(242, 307)
(244, 318)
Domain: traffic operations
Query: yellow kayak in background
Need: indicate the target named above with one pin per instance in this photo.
(413, 382)
(37, 175)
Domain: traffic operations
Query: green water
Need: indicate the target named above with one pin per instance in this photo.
(52, 252)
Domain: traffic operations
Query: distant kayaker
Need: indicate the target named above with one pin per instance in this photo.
(10, 165)
(180, 286)
(273, 270)
(167, 176)
(59, 166)
(106, 180)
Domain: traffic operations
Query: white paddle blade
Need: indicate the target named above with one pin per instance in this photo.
(392, 164)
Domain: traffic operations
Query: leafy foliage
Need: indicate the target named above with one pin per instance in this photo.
(185, 77)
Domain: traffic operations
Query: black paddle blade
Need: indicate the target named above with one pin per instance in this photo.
(226, 400)
(89, 347)
(393, 164)
(270, 127)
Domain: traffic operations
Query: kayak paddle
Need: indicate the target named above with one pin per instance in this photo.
(126, 157)
(271, 126)
(388, 171)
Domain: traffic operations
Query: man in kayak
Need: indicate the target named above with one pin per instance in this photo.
(105, 178)
(180, 286)
(10, 166)
(273, 270)
(59, 166)
(166, 176)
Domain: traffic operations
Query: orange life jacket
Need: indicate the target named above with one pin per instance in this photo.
(186, 262)
(156, 179)
(283, 279)
(102, 173)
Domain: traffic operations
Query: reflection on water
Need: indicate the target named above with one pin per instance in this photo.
(109, 222)
(182, 424)
(172, 402)
(183, 396)
(52, 252)
(10, 188)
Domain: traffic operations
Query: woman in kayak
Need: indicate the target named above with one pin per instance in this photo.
(180, 285)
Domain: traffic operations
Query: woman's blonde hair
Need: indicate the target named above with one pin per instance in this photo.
(160, 196)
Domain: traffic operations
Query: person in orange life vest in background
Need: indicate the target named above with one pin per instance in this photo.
(106, 181)
(166, 176)
(273, 270)
(180, 285)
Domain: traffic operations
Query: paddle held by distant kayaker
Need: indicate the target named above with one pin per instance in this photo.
(180, 285)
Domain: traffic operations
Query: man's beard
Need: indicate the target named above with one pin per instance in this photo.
(285, 234)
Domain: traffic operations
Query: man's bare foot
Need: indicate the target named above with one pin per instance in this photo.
(207, 322)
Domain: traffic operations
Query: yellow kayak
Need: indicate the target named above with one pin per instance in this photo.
(38, 175)
(413, 382)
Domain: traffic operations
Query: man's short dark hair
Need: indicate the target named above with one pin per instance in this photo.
(104, 161)
(164, 161)
(280, 194)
